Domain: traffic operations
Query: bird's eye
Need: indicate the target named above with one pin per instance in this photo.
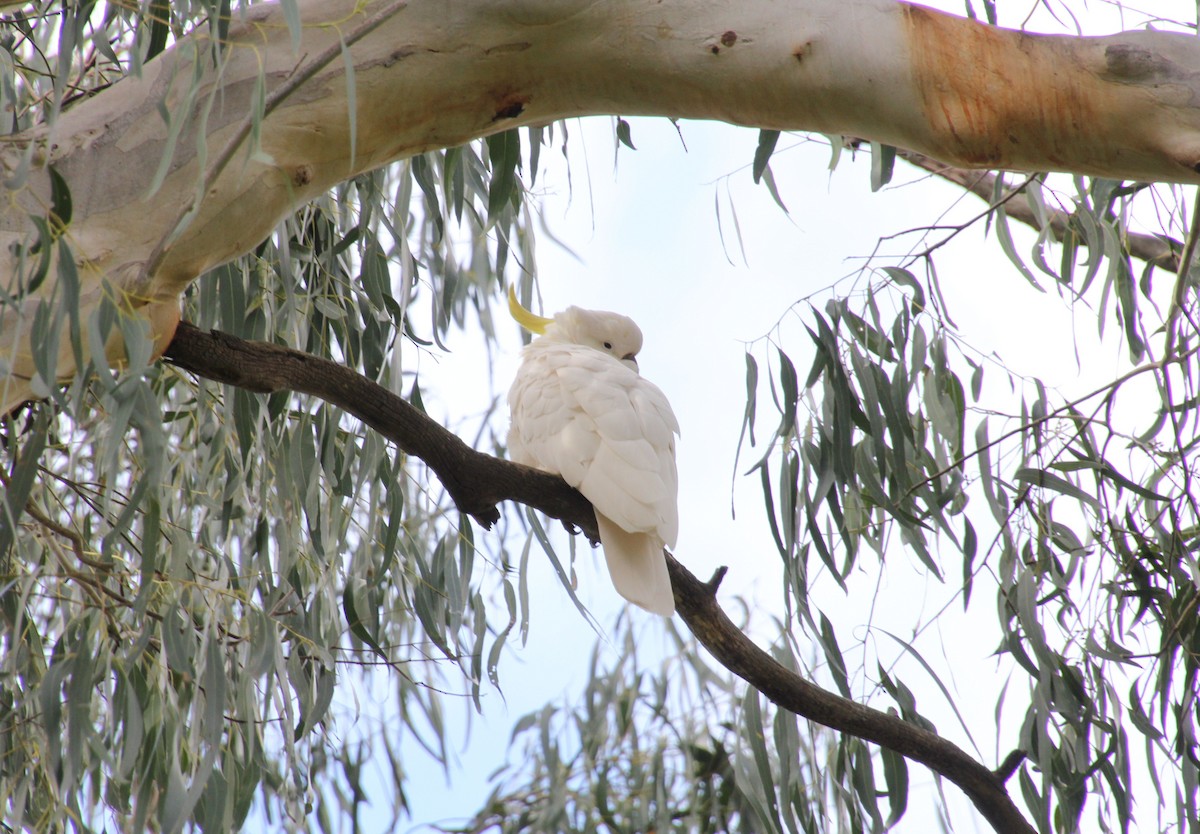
(608, 345)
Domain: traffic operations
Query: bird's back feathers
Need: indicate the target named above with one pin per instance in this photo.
(584, 414)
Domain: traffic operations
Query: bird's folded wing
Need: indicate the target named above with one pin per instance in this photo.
(607, 431)
(627, 425)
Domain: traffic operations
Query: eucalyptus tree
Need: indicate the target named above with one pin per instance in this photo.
(205, 528)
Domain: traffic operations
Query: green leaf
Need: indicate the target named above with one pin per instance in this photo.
(356, 625)
(160, 27)
(749, 413)
(1136, 488)
(493, 658)
(179, 641)
(133, 727)
(769, 508)
(868, 336)
(991, 488)
(414, 397)
(1127, 298)
(181, 799)
(909, 703)
(536, 136)
(215, 681)
(21, 481)
(623, 134)
(833, 656)
(504, 153)
(42, 248)
(480, 635)
(1004, 236)
(1037, 203)
(883, 161)
(764, 783)
(539, 533)
(291, 14)
(768, 177)
(1048, 480)
(60, 200)
(970, 545)
(895, 776)
(791, 392)
(767, 139)
(79, 692)
(1094, 240)
(907, 279)
(424, 176)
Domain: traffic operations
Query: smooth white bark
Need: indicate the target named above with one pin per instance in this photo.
(442, 72)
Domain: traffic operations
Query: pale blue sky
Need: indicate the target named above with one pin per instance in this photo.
(649, 245)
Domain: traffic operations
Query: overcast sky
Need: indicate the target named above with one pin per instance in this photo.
(649, 244)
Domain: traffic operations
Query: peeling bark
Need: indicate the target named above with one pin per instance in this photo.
(438, 74)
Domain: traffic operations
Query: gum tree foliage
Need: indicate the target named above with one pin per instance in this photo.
(190, 571)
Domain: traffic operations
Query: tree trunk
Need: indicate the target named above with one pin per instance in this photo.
(437, 74)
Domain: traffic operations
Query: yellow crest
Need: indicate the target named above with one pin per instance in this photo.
(530, 321)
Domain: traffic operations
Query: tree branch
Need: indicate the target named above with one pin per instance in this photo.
(1149, 248)
(437, 74)
(697, 606)
(478, 482)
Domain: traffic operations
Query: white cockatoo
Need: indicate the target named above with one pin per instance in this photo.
(581, 410)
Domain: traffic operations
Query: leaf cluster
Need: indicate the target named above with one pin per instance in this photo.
(1076, 511)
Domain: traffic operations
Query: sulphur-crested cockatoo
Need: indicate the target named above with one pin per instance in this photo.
(581, 410)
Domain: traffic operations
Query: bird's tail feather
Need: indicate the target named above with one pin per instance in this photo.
(637, 567)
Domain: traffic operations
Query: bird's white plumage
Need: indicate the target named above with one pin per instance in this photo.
(580, 409)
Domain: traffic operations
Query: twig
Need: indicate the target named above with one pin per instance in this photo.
(1107, 388)
(1149, 248)
(1179, 292)
(476, 482)
(70, 535)
(1179, 308)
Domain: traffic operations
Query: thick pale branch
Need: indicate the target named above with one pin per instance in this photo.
(439, 74)
(478, 482)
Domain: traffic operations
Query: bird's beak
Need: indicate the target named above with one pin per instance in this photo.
(530, 321)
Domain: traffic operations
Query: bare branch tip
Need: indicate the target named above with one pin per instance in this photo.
(1009, 766)
(487, 518)
(718, 576)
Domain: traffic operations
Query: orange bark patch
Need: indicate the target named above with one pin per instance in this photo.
(510, 106)
(302, 175)
(164, 319)
(995, 97)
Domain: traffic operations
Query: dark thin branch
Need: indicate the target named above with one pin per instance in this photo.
(1010, 765)
(698, 608)
(1149, 248)
(478, 482)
